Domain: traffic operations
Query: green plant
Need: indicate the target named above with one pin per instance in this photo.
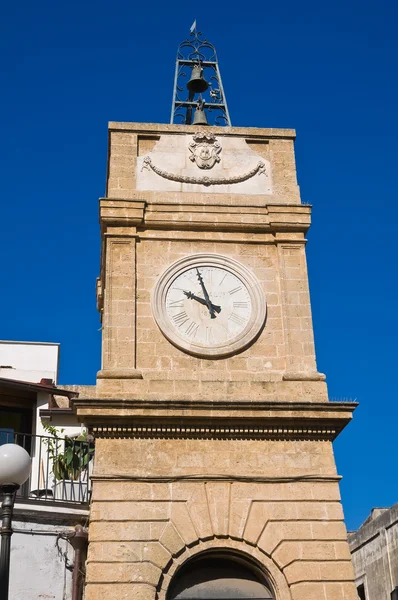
(69, 456)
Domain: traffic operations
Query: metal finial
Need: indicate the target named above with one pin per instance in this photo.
(197, 72)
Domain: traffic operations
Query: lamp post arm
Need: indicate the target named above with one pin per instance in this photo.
(8, 490)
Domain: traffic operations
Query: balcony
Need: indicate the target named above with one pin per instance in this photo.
(61, 468)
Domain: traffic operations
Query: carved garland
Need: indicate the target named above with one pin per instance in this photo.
(205, 180)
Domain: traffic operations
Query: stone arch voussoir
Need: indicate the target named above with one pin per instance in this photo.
(238, 547)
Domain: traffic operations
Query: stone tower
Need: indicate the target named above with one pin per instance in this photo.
(214, 471)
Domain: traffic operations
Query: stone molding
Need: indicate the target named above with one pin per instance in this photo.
(264, 433)
(304, 377)
(115, 418)
(149, 210)
(238, 408)
(164, 128)
(119, 374)
(262, 239)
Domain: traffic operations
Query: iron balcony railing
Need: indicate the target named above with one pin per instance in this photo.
(61, 467)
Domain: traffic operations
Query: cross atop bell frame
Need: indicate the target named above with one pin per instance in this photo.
(197, 73)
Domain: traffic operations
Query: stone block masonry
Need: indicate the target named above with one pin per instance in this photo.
(196, 454)
(149, 517)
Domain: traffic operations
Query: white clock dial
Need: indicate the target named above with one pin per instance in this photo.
(209, 305)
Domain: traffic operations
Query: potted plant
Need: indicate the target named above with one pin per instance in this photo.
(70, 458)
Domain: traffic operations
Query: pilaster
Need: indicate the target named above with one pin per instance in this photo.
(296, 308)
(119, 312)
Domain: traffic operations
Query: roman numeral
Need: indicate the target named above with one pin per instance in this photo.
(240, 304)
(222, 280)
(239, 287)
(180, 318)
(192, 329)
(176, 304)
(237, 319)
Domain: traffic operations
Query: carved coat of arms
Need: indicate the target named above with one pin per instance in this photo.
(205, 150)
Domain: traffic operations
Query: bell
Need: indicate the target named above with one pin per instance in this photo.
(197, 84)
(199, 117)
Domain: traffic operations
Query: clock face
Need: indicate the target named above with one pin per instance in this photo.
(209, 305)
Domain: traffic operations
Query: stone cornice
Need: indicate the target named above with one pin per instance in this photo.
(163, 128)
(223, 432)
(247, 419)
(199, 214)
(253, 406)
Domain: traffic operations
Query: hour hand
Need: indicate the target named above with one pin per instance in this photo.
(192, 296)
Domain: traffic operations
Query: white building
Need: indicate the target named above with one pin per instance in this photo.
(55, 498)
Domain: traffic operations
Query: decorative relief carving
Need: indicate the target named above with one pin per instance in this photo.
(204, 161)
(205, 150)
(205, 180)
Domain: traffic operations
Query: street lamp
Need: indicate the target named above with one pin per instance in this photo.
(15, 465)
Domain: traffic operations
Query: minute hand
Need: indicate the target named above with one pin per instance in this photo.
(192, 296)
(206, 295)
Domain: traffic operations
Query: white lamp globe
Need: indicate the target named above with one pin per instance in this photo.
(15, 464)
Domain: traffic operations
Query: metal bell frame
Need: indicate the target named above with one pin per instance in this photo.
(192, 53)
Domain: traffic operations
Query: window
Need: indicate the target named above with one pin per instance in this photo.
(219, 576)
(361, 592)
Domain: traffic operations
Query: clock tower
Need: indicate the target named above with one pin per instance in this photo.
(214, 472)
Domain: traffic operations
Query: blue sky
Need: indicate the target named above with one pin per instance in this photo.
(327, 69)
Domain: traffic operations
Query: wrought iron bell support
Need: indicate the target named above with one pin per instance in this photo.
(196, 57)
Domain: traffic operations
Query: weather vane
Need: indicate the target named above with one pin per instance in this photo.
(203, 94)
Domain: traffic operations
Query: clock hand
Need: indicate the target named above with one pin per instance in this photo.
(206, 295)
(192, 296)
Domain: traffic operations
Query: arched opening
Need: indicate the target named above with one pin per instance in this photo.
(219, 576)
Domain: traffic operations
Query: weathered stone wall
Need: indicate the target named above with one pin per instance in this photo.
(192, 453)
(146, 231)
(374, 549)
(282, 273)
(140, 532)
